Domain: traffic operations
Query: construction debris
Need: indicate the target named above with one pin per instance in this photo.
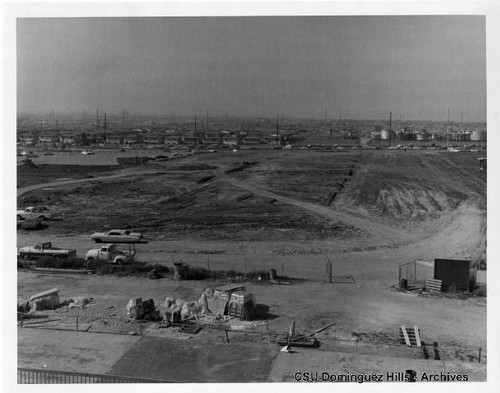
(242, 305)
(297, 340)
(46, 300)
(79, 302)
(139, 309)
(321, 329)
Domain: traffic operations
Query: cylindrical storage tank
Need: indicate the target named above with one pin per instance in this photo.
(421, 136)
(478, 136)
(384, 134)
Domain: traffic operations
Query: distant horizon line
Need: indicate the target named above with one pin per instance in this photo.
(396, 117)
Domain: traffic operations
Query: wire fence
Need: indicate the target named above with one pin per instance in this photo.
(312, 267)
(43, 376)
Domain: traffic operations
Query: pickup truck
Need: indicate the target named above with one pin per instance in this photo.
(45, 249)
(110, 253)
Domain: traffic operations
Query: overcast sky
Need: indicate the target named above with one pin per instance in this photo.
(363, 67)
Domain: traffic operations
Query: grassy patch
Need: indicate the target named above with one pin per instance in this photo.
(132, 269)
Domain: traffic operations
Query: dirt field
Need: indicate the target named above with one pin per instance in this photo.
(369, 211)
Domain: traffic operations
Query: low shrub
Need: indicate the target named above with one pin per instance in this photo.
(263, 274)
(99, 267)
(61, 263)
(197, 273)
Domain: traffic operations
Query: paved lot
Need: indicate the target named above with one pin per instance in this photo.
(318, 362)
(143, 357)
(189, 361)
(71, 351)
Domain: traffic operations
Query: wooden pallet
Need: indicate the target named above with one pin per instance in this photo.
(410, 336)
(433, 285)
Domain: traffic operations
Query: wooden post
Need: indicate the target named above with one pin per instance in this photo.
(331, 271)
(208, 264)
(479, 357)
(140, 329)
(227, 336)
(77, 323)
(417, 336)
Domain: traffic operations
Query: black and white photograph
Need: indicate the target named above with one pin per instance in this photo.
(264, 194)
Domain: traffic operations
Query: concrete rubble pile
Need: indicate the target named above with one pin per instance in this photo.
(216, 304)
(139, 309)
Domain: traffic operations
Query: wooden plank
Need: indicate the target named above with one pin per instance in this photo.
(407, 340)
(321, 329)
(417, 336)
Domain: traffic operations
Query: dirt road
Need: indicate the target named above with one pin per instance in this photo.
(59, 183)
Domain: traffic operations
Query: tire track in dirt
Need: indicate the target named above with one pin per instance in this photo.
(381, 232)
(125, 173)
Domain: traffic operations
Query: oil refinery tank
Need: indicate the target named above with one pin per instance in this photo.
(478, 136)
(384, 134)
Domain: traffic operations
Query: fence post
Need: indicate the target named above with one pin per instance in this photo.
(227, 336)
(140, 329)
(77, 323)
(479, 357)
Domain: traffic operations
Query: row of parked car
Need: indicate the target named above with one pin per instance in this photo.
(106, 253)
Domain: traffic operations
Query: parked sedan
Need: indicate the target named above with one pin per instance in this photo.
(41, 212)
(117, 236)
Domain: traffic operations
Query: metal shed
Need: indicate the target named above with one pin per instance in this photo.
(454, 274)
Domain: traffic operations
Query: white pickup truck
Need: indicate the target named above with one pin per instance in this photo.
(45, 249)
(110, 253)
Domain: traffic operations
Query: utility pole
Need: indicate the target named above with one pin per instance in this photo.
(277, 128)
(448, 129)
(104, 128)
(390, 128)
(206, 129)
